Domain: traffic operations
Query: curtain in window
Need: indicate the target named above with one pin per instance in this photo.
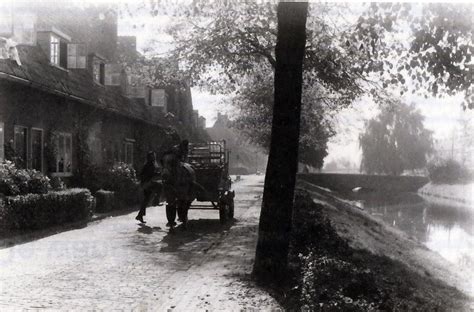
(64, 153)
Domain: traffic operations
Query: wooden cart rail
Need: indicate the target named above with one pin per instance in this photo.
(210, 161)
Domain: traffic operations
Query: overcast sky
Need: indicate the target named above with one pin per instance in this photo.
(441, 115)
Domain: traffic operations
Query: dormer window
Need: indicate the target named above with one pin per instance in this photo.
(55, 46)
(97, 68)
(99, 72)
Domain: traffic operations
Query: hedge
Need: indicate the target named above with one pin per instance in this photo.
(448, 171)
(38, 211)
(105, 201)
(119, 178)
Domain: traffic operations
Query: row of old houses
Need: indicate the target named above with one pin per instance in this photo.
(65, 95)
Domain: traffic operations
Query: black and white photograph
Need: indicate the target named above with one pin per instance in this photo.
(236, 155)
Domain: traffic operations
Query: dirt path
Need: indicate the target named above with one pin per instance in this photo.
(116, 264)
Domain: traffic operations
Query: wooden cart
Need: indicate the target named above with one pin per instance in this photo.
(210, 161)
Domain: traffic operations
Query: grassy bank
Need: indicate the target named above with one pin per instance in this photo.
(449, 193)
(330, 275)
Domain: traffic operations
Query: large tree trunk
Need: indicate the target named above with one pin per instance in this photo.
(275, 219)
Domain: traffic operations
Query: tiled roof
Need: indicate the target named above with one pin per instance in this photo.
(74, 83)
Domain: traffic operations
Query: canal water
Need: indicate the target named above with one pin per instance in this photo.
(447, 230)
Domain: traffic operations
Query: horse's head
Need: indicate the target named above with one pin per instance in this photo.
(170, 163)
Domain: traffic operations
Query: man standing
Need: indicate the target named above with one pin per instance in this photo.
(150, 183)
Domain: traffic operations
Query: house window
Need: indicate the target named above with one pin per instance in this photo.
(128, 152)
(21, 146)
(2, 142)
(99, 72)
(54, 53)
(37, 149)
(63, 154)
(116, 151)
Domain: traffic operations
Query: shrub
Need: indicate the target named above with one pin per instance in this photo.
(15, 181)
(8, 187)
(121, 179)
(90, 176)
(20, 177)
(57, 184)
(447, 171)
(38, 183)
(38, 211)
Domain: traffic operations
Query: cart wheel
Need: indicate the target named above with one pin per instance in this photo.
(231, 209)
(223, 213)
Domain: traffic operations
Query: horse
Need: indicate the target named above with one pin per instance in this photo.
(179, 180)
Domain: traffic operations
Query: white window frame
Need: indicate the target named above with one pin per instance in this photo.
(15, 127)
(42, 146)
(54, 55)
(57, 173)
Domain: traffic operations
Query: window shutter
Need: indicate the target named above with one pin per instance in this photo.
(72, 55)
(63, 54)
(81, 56)
(102, 73)
(76, 55)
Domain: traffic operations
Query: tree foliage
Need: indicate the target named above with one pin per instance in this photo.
(422, 48)
(229, 46)
(254, 105)
(238, 42)
(395, 140)
(237, 46)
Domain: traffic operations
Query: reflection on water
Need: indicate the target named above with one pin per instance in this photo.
(444, 229)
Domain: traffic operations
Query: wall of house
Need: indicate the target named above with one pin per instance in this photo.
(30, 108)
(106, 132)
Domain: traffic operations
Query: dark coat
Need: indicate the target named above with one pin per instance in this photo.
(150, 170)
